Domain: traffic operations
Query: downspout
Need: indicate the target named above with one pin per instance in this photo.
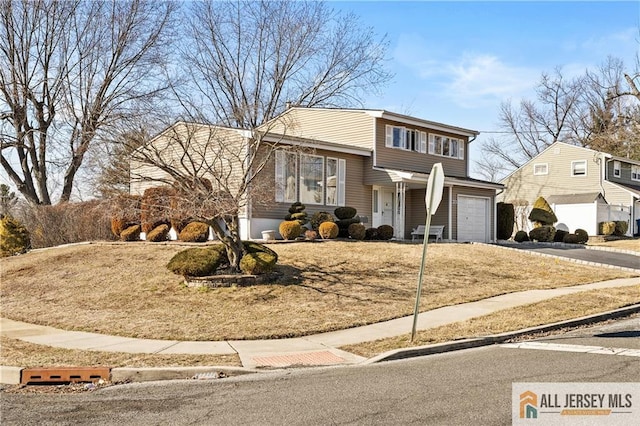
(449, 230)
(466, 153)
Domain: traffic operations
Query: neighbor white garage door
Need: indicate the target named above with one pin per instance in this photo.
(473, 219)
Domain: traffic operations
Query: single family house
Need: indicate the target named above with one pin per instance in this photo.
(373, 160)
(583, 187)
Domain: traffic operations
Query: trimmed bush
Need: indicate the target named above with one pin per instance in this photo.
(345, 212)
(159, 233)
(385, 232)
(328, 230)
(621, 228)
(195, 232)
(357, 231)
(371, 234)
(559, 237)
(583, 236)
(155, 206)
(125, 211)
(297, 213)
(606, 228)
(253, 247)
(521, 236)
(132, 233)
(198, 262)
(542, 213)
(571, 239)
(542, 233)
(14, 237)
(290, 229)
(506, 220)
(257, 263)
(320, 217)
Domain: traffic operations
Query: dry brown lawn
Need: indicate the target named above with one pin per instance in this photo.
(547, 312)
(632, 245)
(125, 289)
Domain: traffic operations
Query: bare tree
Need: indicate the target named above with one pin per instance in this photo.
(215, 174)
(70, 70)
(579, 111)
(249, 58)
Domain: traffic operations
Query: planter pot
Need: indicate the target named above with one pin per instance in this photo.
(269, 235)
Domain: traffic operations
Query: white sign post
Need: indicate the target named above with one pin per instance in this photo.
(432, 199)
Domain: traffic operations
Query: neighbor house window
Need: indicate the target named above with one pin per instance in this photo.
(541, 169)
(635, 172)
(579, 168)
(407, 139)
(616, 168)
(310, 179)
(446, 146)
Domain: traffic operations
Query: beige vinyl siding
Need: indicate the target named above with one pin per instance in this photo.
(472, 192)
(185, 146)
(416, 211)
(346, 127)
(616, 195)
(357, 194)
(524, 186)
(399, 159)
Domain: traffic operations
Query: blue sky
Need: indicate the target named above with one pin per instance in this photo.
(455, 62)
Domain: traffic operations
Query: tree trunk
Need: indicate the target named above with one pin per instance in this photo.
(230, 239)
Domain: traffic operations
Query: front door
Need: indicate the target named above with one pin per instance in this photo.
(382, 206)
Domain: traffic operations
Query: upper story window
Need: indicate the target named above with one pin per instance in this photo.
(310, 179)
(541, 169)
(635, 173)
(407, 139)
(579, 168)
(446, 146)
(616, 168)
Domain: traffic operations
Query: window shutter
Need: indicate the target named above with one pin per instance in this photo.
(461, 149)
(342, 172)
(423, 142)
(280, 164)
(432, 144)
(388, 142)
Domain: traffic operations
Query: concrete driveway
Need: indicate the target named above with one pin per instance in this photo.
(583, 253)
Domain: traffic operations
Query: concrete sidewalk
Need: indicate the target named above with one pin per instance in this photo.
(318, 349)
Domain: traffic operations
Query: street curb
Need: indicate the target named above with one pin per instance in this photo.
(150, 374)
(438, 348)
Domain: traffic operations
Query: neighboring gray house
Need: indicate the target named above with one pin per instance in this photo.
(374, 160)
(584, 187)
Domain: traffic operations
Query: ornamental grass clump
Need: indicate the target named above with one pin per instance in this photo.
(606, 228)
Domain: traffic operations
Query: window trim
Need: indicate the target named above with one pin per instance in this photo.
(637, 172)
(542, 173)
(573, 168)
(459, 145)
(617, 169)
(322, 180)
(410, 139)
(280, 185)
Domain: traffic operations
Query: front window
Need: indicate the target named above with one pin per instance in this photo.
(446, 146)
(579, 168)
(311, 179)
(406, 139)
(635, 173)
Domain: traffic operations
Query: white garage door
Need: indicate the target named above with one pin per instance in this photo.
(473, 219)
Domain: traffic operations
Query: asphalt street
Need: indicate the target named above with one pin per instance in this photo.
(580, 253)
(459, 388)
